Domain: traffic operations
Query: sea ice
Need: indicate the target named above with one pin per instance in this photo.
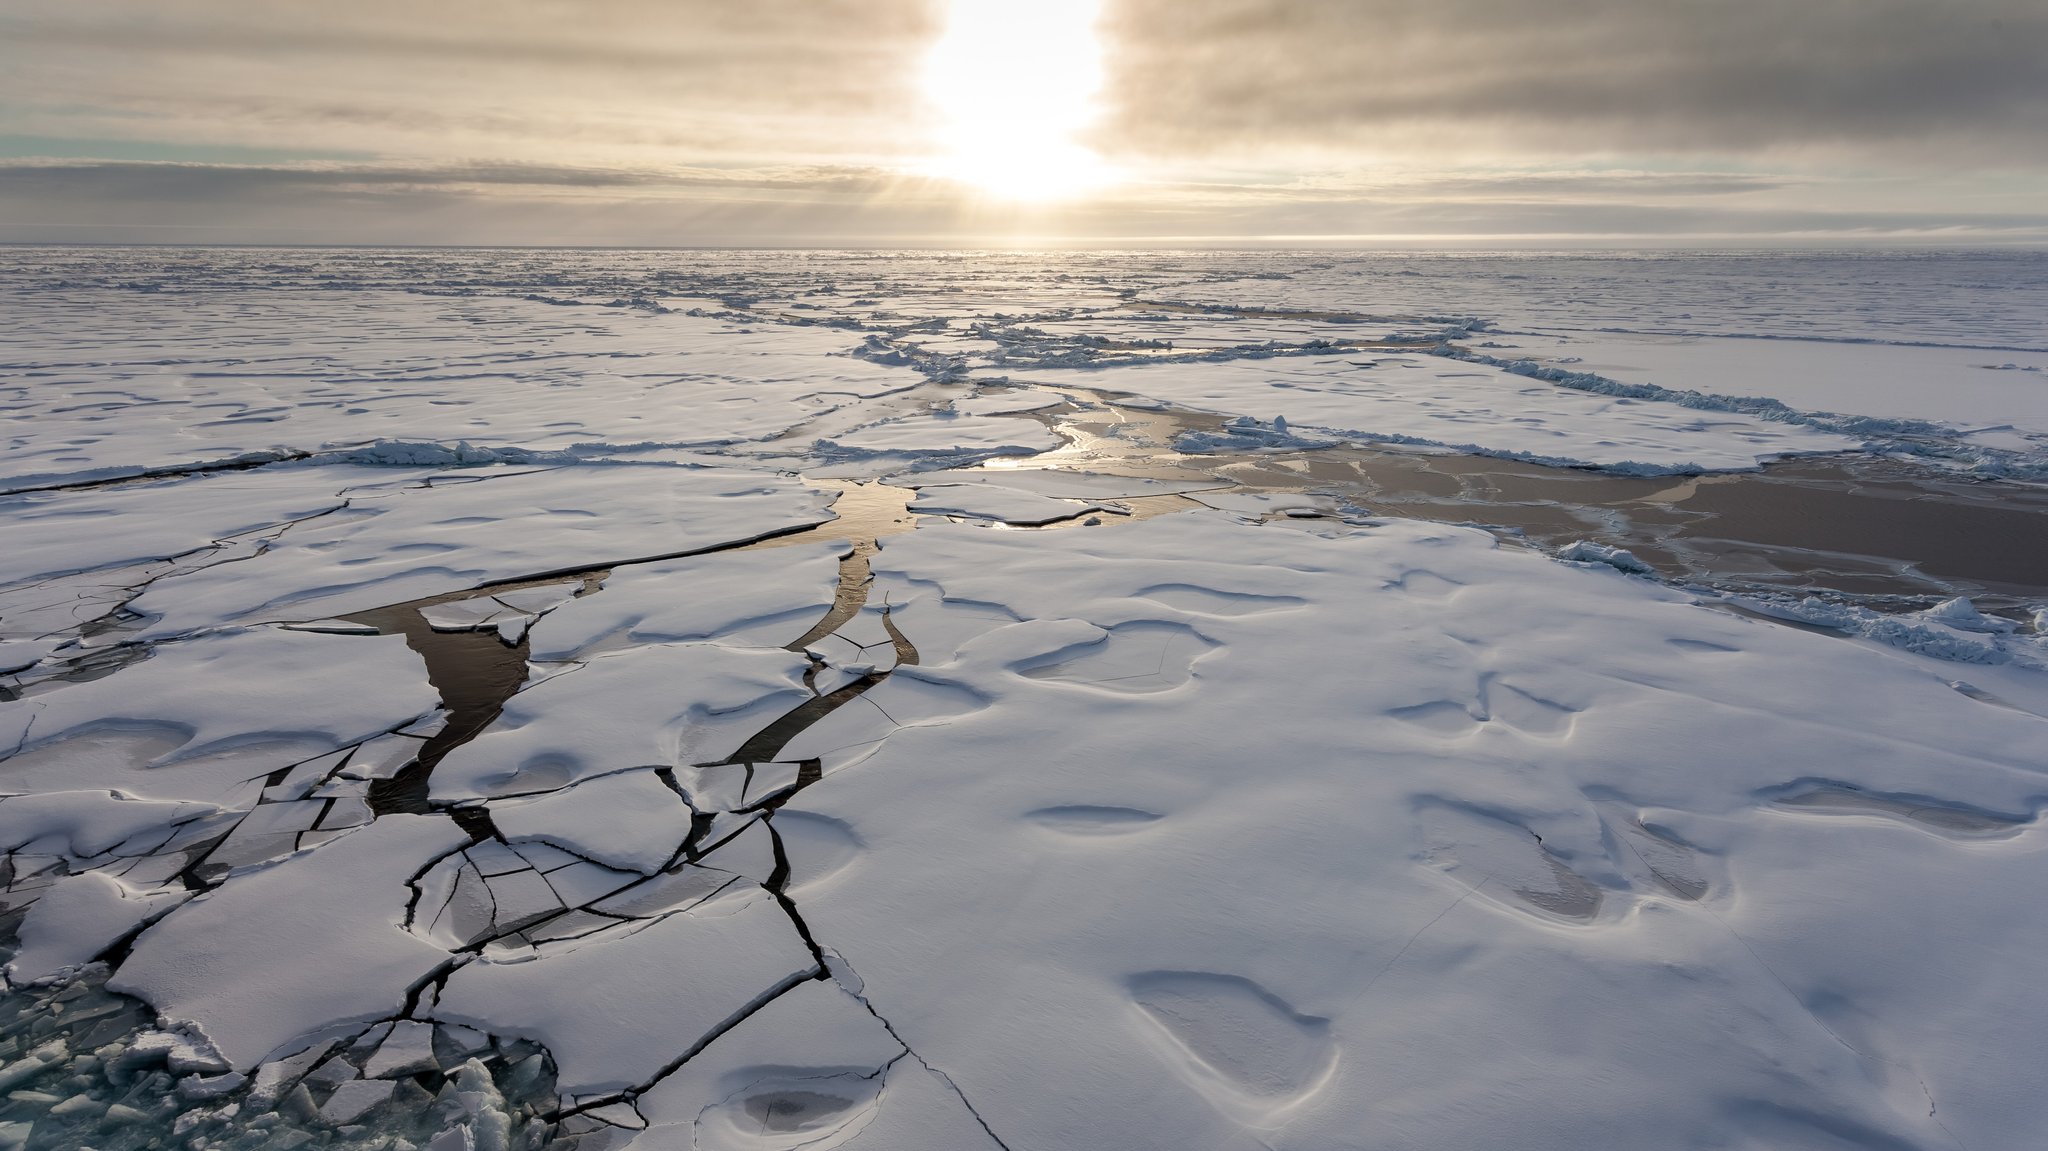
(748, 599)
(328, 925)
(618, 1009)
(78, 917)
(629, 820)
(1265, 824)
(1444, 816)
(661, 705)
(413, 542)
(206, 718)
(1427, 400)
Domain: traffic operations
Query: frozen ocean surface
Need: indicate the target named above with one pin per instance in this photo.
(1201, 700)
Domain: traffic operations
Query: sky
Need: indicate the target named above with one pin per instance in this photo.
(1491, 123)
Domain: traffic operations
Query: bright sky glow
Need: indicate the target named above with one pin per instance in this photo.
(1016, 81)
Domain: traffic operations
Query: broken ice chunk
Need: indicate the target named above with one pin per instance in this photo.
(301, 778)
(1961, 614)
(539, 600)
(352, 1100)
(569, 925)
(520, 898)
(326, 925)
(200, 1088)
(383, 757)
(84, 824)
(466, 614)
(1588, 552)
(750, 853)
(275, 1078)
(770, 780)
(408, 1050)
(427, 728)
(77, 918)
(631, 820)
(664, 704)
(583, 882)
(760, 598)
(716, 786)
(1002, 504)
(611, 1009)
(333, 627)
(270, 831)
(671, 890)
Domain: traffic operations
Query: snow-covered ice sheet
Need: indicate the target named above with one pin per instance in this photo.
(660, 705)
(470, 528)
(1406, 833)
(78, 918)
(814, 1068)
(56, 532)
(1475, 407)
(944, 436)
(991, 501)
(742, 599)
(209, 717)
(166, 381)
(1260, 825)
(1960, 387)
(629, 820)
(329, 925)
(641, 992)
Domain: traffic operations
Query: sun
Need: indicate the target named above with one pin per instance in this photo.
(1016, 81)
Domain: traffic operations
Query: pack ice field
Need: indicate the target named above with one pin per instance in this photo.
(929, 700)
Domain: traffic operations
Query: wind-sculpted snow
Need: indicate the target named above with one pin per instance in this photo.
(405, 542)
(506, 701)
(1420, 833)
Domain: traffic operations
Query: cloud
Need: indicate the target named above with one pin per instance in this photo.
(1578, 76)
(524, 79)
(715, 121)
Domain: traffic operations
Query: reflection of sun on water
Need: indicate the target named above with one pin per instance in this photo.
(1016, 80)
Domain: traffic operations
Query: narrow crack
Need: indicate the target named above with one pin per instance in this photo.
(239, 464)
(777, 885)
(861, 996)
(781, 988)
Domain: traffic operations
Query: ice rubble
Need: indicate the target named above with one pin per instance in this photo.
(1588, 552)
(1954, 630)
